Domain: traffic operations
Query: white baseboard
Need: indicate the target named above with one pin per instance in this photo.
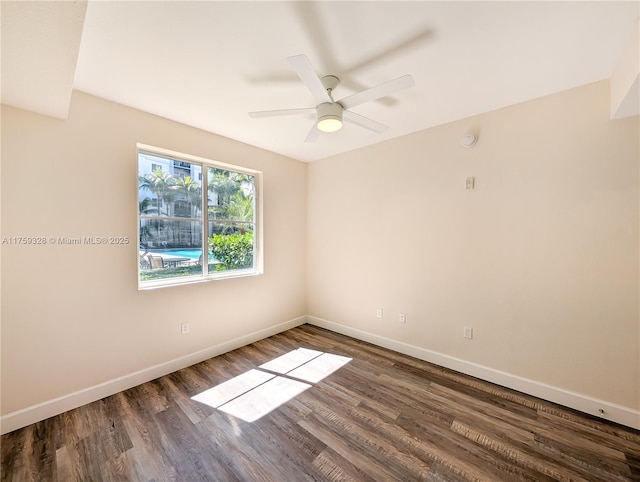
(612, 412)
(615, 413)
(21, 418)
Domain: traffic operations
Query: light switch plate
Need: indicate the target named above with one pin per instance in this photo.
(471, 183)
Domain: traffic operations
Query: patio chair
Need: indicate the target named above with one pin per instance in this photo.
(144, 263)
(155, 261)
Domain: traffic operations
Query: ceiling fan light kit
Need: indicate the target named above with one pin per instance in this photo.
(329, 117)
(329, 113)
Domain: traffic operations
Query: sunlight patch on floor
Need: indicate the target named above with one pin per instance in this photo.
(227, 391)
(319, 368)
(255, 393)
(264, 398)
(291, 360)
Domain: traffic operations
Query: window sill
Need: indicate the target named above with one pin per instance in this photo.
(188, 280)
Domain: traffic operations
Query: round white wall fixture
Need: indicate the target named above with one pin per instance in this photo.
(469, 140)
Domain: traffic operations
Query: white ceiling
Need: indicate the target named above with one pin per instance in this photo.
(208, 63)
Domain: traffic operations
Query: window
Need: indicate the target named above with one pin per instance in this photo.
(197, 221)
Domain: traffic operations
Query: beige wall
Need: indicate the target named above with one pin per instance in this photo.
(541, 259)
(72, 316)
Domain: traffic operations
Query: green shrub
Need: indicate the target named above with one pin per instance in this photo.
(170, 272)
(233, 251)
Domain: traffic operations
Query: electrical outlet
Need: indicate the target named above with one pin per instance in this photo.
(379, 313)
(468, 332)
(403, 317)
(184, 328)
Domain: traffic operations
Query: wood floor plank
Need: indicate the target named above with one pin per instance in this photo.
(588, 466)
(371, 466)
(334, 468)
(603, 435)
(455, 446)
(394, 445)
(148, 457)
(520, 457)
(383, 416)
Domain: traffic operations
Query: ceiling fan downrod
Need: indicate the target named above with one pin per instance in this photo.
(329, 114)
(330, 82)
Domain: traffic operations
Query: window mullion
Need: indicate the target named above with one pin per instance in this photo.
(205, 220)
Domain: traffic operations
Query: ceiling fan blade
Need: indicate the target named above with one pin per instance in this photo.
(273, 113)
(407, 44)
(302, 65)
(380, 90)
(365, 122)
(313, 134)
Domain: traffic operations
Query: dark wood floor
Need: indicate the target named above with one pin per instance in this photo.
(381, 417)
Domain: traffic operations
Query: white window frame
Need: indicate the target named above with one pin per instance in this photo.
(258, 256)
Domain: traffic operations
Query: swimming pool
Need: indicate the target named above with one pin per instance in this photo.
(185, 253)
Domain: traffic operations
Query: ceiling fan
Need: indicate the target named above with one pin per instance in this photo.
(331, 113)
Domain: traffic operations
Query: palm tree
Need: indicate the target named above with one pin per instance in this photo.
(192, 193)
(224, 186)
(159, 183)
(240, 209)
(146, 207)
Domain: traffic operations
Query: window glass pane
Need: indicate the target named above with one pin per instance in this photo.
(230, 210)
(170, 214)
(169, 248)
